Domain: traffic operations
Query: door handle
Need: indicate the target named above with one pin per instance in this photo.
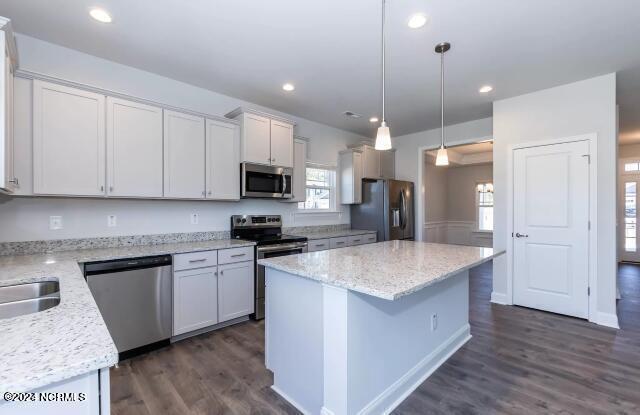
(284, 184)
(521, 235)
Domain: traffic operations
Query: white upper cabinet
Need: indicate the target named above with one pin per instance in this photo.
(351, 177)
(184, 155)
(8, 181)
(388, 164)
(281, 144)
(266, 139)
(256, 141)
(134, 149)
(377, 164)
(370, 163)
(68, 141)
(223, 161)
(299, 170)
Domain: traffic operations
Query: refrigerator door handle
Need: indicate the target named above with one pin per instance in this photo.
(403, 212)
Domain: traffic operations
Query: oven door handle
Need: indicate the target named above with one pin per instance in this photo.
(284, 183)
(281, 247)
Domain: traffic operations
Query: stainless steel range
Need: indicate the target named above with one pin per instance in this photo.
(266, 231)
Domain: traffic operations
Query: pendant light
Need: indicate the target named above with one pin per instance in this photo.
(442, 158)
(383, 138)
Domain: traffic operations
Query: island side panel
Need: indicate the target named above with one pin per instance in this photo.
(392, 348)
(294, 338)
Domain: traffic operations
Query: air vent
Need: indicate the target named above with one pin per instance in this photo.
(351, 114)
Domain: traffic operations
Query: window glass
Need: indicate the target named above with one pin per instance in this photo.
(320, 189)
(485, 206)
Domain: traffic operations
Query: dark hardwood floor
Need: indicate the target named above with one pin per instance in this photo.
(519, 361)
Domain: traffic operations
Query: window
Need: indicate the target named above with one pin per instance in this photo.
(320, 188)
(485, 206)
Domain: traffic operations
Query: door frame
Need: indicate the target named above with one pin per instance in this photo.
(620, 205)
(592, 138)
(419, 190)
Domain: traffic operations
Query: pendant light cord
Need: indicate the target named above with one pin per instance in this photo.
(442, 98)
(383, 59)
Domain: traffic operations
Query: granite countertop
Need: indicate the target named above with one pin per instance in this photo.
(387, 270)
(338, 233)
(70, 339)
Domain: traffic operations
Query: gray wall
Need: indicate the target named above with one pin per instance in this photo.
(27, 218)
(461, 197)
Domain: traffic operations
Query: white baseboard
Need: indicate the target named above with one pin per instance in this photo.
(393, 396)
(607, 319)
(499, 298)
(291, 401)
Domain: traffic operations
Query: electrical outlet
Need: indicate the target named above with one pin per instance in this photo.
(111, 221)
(195, 218)
(434, 321)
(55, 222)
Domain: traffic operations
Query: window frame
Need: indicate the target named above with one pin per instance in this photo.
(333, 188)
(477, 196)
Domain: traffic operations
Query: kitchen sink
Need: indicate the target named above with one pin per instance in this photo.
(21, 299)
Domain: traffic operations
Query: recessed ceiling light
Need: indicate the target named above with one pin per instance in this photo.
(373, 119)
(418, 20)
(288, 87)
(485, 89)
(101, 15)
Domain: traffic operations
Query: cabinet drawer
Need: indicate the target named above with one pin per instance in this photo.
(195, 260)
(229, 256)
(370, 238)
(319, 245)
(339, 242)
(357, 240)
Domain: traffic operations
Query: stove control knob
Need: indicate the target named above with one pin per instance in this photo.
(244, 220)
(237, 220)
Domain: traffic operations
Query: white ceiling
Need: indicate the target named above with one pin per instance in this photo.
(330, 50)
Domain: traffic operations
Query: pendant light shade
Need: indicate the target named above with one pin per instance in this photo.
(442, 158)
(383, 138)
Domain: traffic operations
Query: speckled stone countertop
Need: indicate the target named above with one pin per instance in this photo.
(70, 339)
(388, 270)
(338, 233)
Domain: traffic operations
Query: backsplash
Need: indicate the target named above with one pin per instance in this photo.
(57, 245)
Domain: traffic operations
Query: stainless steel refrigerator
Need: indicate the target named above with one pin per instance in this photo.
(387, 207)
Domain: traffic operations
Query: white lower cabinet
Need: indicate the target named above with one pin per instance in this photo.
(339, 242)
(86, 394)
(235, 290)
(318, 245)
(315, 245)
(195, 299)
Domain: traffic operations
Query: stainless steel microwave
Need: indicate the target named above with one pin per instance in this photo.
(257, 180)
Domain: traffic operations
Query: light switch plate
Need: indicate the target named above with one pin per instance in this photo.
(195, 218)
(112, 221)
(55, 222)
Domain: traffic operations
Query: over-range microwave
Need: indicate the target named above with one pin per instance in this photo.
(257, 180)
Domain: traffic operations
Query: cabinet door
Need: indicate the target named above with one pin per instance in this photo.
(299, 171)
(370, 163)
(281, 144)
(223, 161)
(195, 299)
(7, 173)
(357, 177)
(134, 149)
(388, 164)
(68, 141)
(235, 290)
(256, 139)
(184, 155)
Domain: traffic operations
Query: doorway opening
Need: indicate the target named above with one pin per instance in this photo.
(458, 198)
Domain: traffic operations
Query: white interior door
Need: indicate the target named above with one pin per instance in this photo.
(551, 228)
(629, 185)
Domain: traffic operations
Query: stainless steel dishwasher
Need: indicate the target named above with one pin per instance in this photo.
(135, 299)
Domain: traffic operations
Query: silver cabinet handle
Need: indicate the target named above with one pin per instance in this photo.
(521, 235)
(111, 188)
(237, 255)
(102, 188)
(197, 260)
(203, 193)
(14, 181)
(209, 192)
(222, 272)
(319, 244)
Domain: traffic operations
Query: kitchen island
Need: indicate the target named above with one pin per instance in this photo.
(357, 329)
